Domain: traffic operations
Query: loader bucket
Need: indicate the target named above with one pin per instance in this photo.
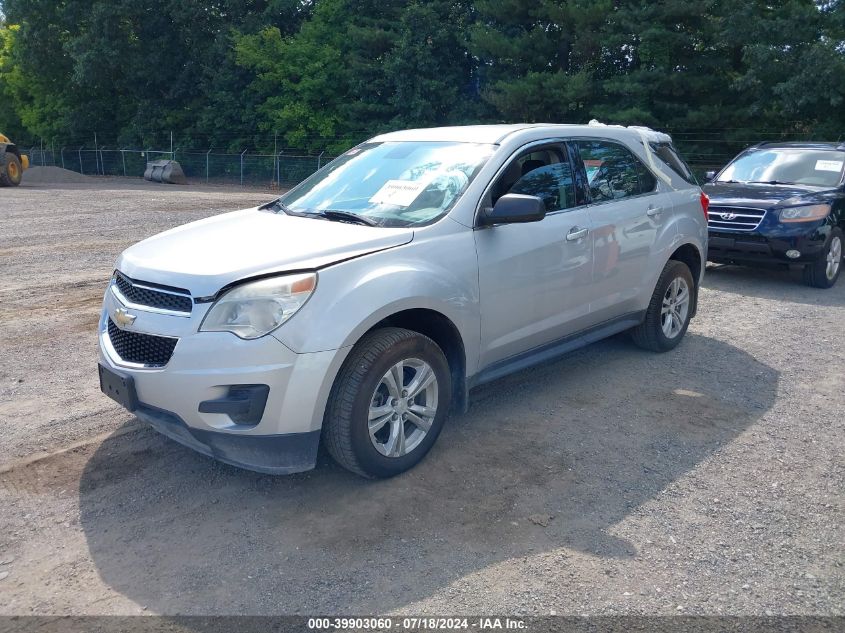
(165, 171)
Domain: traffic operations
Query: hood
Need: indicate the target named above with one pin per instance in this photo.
(763, 196)
(206, 255)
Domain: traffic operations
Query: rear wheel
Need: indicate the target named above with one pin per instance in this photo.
(388, 403)
(11, 170)
(669, 311)
(824, 272)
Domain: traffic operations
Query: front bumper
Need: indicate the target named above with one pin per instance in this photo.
(271, 454)
(755, 247)
(187, 399)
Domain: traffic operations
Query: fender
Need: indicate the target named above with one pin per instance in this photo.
(436, 271)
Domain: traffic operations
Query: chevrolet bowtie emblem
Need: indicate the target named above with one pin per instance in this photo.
(123, 318)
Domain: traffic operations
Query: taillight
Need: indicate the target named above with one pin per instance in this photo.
(705, 204)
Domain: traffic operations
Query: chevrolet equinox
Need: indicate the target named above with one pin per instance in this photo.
(361, 307)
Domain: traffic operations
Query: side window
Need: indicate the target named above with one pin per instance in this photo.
(545, 173)
(613, 172)
(669, 155)
(648, 182)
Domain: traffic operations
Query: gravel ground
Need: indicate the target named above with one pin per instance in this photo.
(708, 480)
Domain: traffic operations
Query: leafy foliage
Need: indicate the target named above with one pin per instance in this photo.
(324, 74)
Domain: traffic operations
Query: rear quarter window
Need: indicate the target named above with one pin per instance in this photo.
(669, 155)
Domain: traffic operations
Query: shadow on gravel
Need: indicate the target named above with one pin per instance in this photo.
(585, 440)
(772, 283)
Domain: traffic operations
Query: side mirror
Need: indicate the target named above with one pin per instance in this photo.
(514, 207)
(709, 175)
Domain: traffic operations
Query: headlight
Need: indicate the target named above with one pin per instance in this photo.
(807, 213)
(256, 308)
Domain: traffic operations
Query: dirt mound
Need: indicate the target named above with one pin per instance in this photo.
(48, 175)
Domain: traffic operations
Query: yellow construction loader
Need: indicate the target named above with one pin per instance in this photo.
(12, 163)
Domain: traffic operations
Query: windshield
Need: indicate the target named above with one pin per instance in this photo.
(392, 183)
(822, 168)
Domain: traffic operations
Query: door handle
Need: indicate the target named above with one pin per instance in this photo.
(575, 233)
(653, 211)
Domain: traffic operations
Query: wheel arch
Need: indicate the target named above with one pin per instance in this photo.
(439, 328)
(690, 255)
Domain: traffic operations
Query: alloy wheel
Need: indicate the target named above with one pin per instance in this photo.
(676, 301)
(403, 407)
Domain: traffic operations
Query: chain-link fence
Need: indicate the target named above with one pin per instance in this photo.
(281, 169)
(704, 150)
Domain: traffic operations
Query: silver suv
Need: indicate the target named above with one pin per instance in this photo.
(361, 307)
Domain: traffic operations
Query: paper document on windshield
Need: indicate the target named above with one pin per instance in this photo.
(829, 165)
(399, 192)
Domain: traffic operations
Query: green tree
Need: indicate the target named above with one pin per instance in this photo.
(10, 82)
(231, 73)
(431, 76)
(133, 71)
(541, 61)
(358, 67)
(34, 77)
(792, 69)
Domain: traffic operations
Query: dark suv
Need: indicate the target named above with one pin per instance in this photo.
(781, 203)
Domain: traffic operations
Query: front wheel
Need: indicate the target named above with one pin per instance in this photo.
(825, 272)
(669, 311)
(388, 403)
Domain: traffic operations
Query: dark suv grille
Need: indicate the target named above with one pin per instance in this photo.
(735, 218)
(141, 294)
(144, 349)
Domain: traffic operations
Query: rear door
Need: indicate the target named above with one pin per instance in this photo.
(535, 277)
(628, 211)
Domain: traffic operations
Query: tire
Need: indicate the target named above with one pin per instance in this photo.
(824, 272)
(11, 171)
(362, 388)
(652, 333)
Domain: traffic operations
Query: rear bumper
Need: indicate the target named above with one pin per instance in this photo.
(754, 247)
(271, 454)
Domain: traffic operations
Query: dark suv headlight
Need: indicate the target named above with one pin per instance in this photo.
(804, 213)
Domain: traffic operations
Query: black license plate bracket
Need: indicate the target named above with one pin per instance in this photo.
(119, 387)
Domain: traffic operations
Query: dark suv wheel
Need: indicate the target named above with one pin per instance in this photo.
(388, 403)
(824, 272)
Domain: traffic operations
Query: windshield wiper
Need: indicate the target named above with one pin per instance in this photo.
(278, 205)
(346, 216)
(343, 216)
(770, 182)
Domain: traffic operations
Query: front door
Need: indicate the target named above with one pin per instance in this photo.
(535, 277)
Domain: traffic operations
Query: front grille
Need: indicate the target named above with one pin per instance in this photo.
(139, 293)
(143, 349)
(735, 218)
